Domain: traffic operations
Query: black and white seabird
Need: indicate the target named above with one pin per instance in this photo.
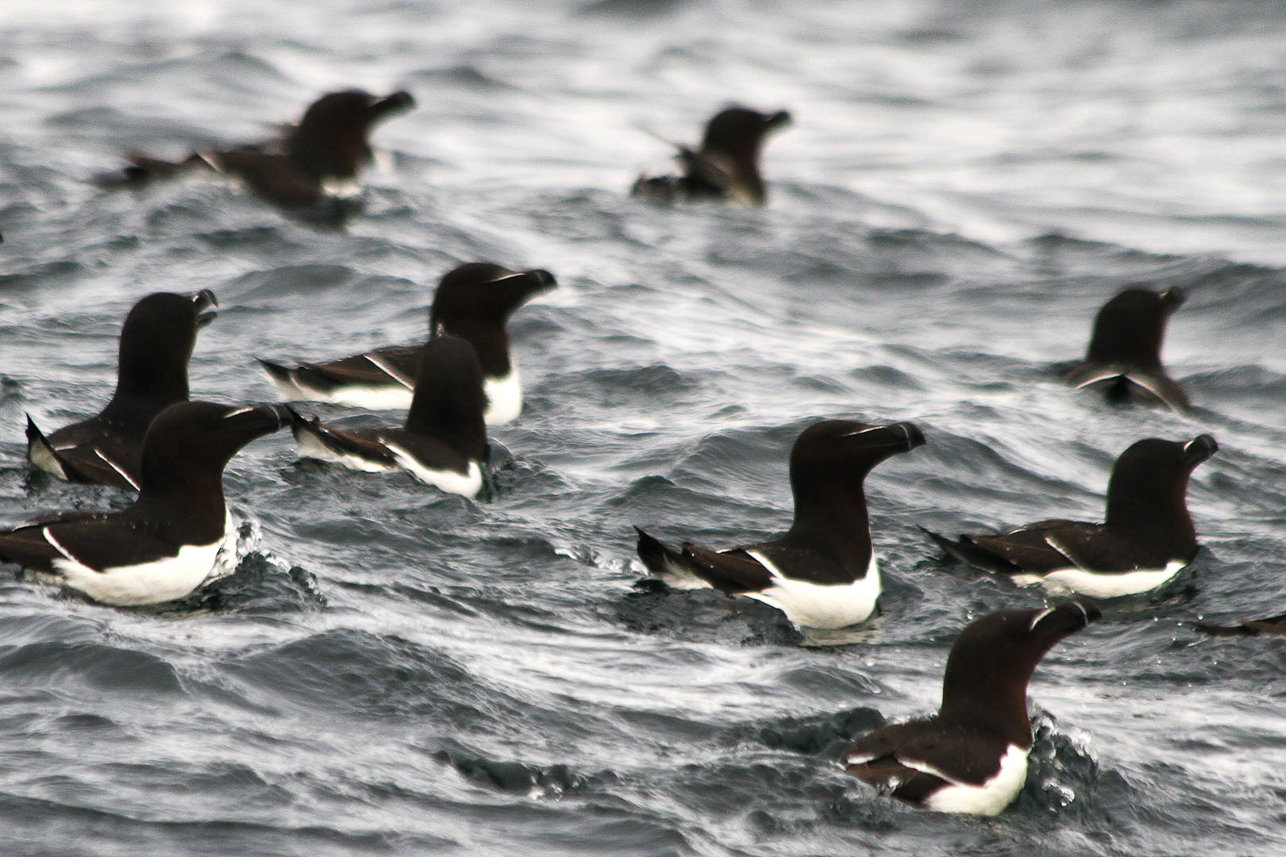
(823, 572)
(152, 374)
(1124, 356)
(328, 145)
(727, 164)
(444, 440)
(1146, 539)
(971, 756)
(474, 301)
(175, 535)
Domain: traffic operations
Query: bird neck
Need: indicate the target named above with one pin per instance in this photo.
(833, 517)
(189, 501)
(984, 699)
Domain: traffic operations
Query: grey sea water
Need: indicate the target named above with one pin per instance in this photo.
(394, 671)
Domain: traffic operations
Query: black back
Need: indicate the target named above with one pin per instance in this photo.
(449, 401)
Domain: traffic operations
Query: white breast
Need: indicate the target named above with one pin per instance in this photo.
(153, 582)
(504, 397)
(987, 799)
(823, 606)
(1106, 584)
(450, 481)
(387, 397)
(394, 395)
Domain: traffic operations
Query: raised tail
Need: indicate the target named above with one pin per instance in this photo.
(971, 553)
(41, 453)
(667, 564)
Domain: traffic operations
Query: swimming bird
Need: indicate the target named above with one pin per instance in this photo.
(1271, 626)
(1124, 356)
(329, 144)
(971, 756)
(174, 536)
(152, 373)
(1146, 539)
(823, 572)
(474, 301)
(444, 439)
(726, 166)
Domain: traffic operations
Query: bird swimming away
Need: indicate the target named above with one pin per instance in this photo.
(1124, 356)
(725, 166)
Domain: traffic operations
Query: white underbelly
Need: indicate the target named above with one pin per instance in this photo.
(504, 397)
(310, 446)
(989, 798)
(386, 397)
(468, 483)
(146, 583)
(1104, 584)
(823, 606)
(392, 396)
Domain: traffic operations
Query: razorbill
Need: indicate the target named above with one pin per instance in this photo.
(444, 439)
(823, 572)
(971, 756)
(1146, 538)
(726, 166)
(474, 301)
(174, 536)
(152, 374)
(1124, 356)
(329, 144)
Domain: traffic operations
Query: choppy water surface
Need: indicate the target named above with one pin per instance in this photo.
(393, 671)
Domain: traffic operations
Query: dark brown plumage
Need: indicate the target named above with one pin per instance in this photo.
(1147, 528)
(726, 166)
(329, 143)
(156, 343)
(1124, 355)
(983, 715)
